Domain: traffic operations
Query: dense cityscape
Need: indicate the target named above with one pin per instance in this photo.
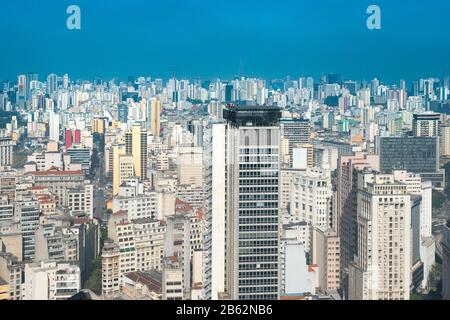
(242, 189)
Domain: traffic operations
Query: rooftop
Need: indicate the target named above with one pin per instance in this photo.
(151, 279)
(254, 116)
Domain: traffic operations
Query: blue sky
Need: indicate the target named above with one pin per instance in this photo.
(210, 38)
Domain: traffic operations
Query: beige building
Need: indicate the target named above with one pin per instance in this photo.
(445, 141)
(122, 166)
(11, 271)
(190, 166)
(172, 279)
(346, 206)
(382, 265)
(58, 182)
(110, 270)
(326, 253)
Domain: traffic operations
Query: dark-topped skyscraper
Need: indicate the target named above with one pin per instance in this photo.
(242, 173)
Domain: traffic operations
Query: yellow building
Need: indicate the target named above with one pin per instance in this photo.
(445, 140)
(136, 146)
(98, 125)
(4, 290)
(123, 167)
(118, 151)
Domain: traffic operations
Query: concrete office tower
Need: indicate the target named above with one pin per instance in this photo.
(446, 262)
(326, 255)
(155, 116)
(190, 166)
(252, 155)
(426, 124)
(241, 177)
(382, 265)
(311, 198)
(296, 131)
(348, 167)
(136, 146)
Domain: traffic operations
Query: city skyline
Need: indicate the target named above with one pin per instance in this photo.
(221, 150)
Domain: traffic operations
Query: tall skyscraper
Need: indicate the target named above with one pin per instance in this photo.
(155, 117)
(250, 142)
(136, 146)
(52, 83)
